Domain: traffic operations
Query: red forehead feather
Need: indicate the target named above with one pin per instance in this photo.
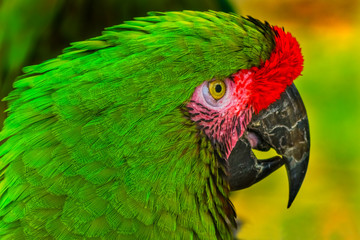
(263, 85)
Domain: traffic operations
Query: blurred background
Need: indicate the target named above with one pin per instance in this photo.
(328, 204)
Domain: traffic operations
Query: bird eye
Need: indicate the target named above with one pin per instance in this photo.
(217, 89)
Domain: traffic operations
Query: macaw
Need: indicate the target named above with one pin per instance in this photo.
(142, 132)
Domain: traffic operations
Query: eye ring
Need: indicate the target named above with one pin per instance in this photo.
(217, 89)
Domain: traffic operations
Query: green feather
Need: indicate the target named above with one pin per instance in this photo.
(98, 141)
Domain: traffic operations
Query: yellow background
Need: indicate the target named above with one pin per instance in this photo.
(328, 204)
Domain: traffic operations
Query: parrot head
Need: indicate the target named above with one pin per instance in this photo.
(258, 108)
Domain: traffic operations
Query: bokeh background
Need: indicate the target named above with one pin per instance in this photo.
(328, 204)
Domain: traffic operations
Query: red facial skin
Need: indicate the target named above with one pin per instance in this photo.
(248, 91)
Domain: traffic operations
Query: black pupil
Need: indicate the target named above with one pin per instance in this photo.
(218, 88)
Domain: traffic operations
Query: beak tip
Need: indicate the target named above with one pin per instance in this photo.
(292, 196)
(296, 175)
(293, 193)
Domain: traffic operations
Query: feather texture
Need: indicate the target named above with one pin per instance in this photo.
(99, 143)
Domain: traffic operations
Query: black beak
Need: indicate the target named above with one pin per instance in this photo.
(284, 127)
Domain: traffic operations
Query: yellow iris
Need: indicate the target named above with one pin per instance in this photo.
(217, 89)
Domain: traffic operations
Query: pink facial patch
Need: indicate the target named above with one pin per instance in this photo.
(221, 120)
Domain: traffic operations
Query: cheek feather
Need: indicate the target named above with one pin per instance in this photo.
(243, 81)
(222, 128)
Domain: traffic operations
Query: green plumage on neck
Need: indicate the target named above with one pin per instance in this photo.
(98, 141)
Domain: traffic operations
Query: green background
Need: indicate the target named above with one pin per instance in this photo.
(328, 204)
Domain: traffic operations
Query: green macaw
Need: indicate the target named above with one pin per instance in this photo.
(142, 132)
